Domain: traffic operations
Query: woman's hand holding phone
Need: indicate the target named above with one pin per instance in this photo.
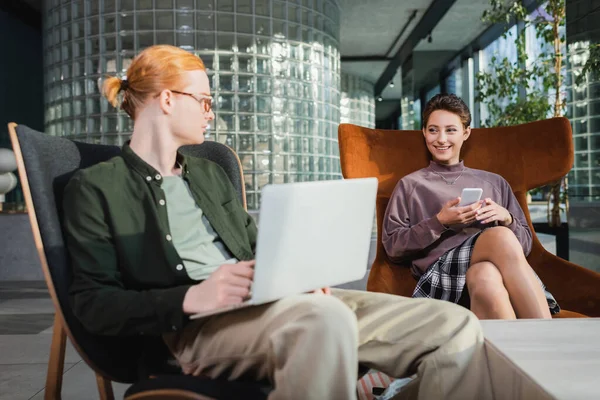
(492, 211)
(453, 215)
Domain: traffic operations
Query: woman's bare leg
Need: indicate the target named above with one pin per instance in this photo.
(500, 246)
(489, 298)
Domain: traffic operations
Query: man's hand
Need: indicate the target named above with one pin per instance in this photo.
(492, 211)
(228, 285)
(452, 215)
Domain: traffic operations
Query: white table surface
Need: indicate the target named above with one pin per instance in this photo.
(562, 356)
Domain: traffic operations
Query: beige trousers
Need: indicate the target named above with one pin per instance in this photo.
(309, 346)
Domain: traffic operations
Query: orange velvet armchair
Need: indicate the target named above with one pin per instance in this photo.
(527, 156)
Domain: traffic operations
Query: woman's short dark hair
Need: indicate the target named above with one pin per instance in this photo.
(447, 102)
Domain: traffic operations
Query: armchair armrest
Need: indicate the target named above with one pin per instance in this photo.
(387, 277)
(574, 287)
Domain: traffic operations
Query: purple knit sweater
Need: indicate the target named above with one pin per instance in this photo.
(411, 230)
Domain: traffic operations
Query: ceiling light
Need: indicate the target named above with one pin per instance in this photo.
(380, 98)
(392, 84)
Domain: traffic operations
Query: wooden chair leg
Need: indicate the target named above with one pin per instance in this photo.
(56, 363)
(104, 388)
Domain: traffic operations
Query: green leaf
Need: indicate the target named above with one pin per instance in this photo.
(498, 88)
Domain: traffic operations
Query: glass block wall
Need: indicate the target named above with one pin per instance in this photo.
(583, 109)
(357, 105)
(274, 65)
(454, 82)
(409, 119)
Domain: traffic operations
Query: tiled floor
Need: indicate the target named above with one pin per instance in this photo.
(585, 248)
(26, 317)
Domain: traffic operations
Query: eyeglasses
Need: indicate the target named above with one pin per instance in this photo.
(203, 99)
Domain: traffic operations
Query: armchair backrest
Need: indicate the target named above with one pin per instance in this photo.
(527, 156)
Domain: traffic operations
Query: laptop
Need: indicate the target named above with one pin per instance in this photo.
(311, 235)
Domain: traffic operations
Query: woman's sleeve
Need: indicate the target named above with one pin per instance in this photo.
(519, 223)
(402, 237)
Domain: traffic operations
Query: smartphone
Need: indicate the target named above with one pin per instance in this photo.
(470, 196)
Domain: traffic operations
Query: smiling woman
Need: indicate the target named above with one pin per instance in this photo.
(446, 125)
(473, 255)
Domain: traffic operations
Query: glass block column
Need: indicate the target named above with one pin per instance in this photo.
(583, 102)
(357, 105)
(274, 66)
(583, 109)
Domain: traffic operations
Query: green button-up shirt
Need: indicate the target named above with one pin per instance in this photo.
(127, 276)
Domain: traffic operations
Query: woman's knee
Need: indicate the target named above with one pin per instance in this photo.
(499, 239)
(483, 273)
(500, 234)
(485, 283)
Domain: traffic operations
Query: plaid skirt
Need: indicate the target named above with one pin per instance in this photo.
(445, 279)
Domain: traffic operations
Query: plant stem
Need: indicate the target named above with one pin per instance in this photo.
(557, 17)
(557, 63)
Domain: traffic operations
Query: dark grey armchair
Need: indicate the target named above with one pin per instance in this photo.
(46, 164)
